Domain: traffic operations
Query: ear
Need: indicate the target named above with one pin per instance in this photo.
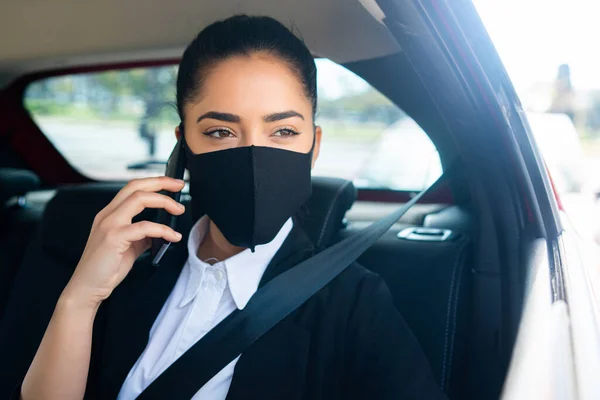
(318, 134)
(177, 132)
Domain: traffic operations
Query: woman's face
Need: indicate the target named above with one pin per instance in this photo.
(251, 100)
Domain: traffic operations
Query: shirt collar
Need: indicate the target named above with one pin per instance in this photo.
(244, 270)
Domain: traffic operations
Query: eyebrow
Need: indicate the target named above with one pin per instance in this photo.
(227, 117)
(219, 116)
(282, 115)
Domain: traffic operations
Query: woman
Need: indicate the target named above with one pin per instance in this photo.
(246, 95)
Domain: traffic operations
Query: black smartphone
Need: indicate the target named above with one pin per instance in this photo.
(175, 169)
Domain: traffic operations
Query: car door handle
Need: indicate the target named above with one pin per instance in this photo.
(425, 234)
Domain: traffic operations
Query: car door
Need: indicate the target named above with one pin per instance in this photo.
(545, 320)
(557, 351)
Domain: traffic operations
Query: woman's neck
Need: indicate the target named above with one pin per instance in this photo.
(215, 246)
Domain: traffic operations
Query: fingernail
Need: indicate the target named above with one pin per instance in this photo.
(180, 181)
(181, 206)
(178, 235)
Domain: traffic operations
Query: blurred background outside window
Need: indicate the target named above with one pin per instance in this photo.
(550, 51)
(118, 125)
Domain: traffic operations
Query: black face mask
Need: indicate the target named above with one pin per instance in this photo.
(249, 192)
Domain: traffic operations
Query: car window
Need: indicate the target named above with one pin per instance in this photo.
(117, 125)
(559, 143)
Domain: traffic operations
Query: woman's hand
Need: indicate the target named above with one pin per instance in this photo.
(115, 242)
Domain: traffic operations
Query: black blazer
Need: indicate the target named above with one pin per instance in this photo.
(346, 342)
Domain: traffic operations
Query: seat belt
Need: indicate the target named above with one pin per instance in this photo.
(268, 306)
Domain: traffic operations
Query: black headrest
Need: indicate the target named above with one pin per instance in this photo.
(325, 210)
(69, 215)
(16, 182)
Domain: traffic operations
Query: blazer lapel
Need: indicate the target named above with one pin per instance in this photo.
(274, 367)
(132, 310)
(296, 248)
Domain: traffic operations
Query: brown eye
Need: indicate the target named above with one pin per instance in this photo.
(219, 133)
(286, 132)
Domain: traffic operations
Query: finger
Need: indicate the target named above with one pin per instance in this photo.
(138, 201)
(141, 246)
(146, 229)
(154, 184)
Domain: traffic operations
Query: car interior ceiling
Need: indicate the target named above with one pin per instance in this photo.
(443, 288)
(342, 30)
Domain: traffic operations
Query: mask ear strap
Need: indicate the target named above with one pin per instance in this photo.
(312, 148)
(182, 135)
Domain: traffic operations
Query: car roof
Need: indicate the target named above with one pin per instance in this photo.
(39, 35)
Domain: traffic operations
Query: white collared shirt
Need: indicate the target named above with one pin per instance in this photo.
(202, 297)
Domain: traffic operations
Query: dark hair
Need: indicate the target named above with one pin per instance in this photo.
(243, 35)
